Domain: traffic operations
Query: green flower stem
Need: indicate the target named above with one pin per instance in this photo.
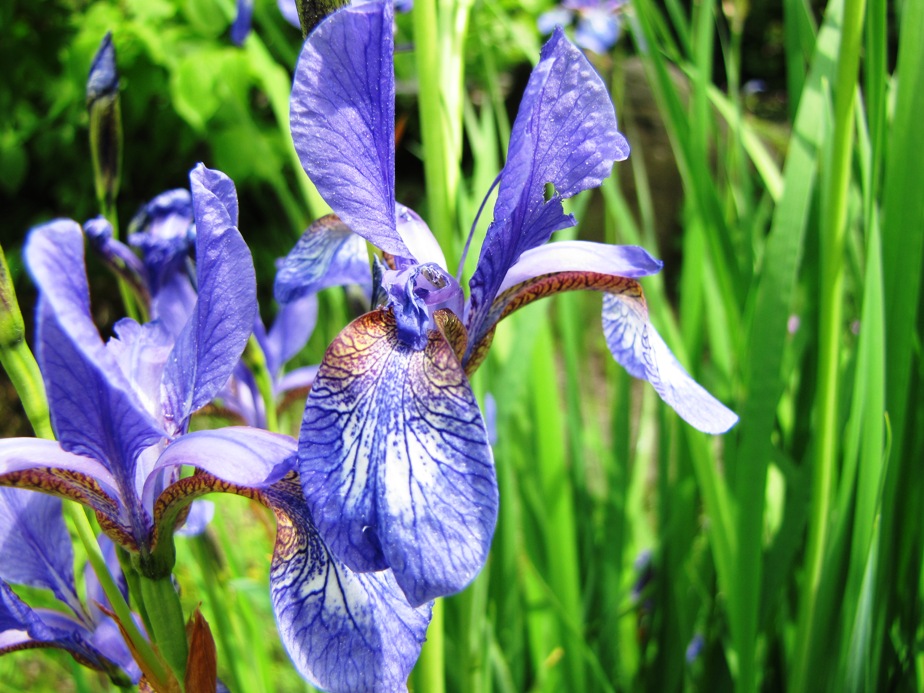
(17, 359)
(140, 644)
(162, 605)
(20, 366)
(256, 359)
(430, 673)
(830, 331)
(438, 45)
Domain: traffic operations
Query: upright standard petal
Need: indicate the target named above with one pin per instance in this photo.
(564, 135)
(213, 339)
(395, 460)
(342, 115)
(93, 408)
(344, 631)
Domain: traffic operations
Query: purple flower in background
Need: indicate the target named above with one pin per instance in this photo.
(242, 20)
(35, 550)
(598, 26)
(120, 410)
(394, 455)
(695, 648)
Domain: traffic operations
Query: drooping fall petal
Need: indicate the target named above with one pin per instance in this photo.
(345, 631)
(395, 461)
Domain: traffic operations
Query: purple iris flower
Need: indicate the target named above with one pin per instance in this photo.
(35, 550)
(394, 454)
(120, 410)
(598, 26)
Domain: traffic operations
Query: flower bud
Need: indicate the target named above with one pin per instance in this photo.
(105, 123)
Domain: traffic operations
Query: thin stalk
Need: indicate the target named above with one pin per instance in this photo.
(830, 318)
(256, 359)
(438, 88)
(23, 371)
(162, 604)
(139, 643)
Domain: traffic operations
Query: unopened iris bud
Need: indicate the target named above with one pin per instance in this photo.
(105, 123)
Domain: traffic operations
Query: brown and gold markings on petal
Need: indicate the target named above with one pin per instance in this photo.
(544, 285)
(173, 503)
(453, 330)
(359, 346)
(77, 487)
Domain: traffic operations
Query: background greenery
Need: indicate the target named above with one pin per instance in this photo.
(791, 219)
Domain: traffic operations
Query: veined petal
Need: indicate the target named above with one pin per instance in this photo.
(93, 408)
(574, 256)
(636, 345)
(35, 548)
(327, 254)
(344, 631)
(22, 627)
(631, 338)
(213, 340)
(565, 134)
(395, 461)
(342, 115)
(124, 522)
(91, 415)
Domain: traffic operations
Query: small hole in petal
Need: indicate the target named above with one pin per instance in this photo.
(550, 191)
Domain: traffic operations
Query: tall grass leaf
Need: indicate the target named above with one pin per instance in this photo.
(902, 246)
(766, 339)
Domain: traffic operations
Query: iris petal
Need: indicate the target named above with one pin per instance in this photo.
(35, 548)
(342, 115)
(291, 329)
(571, 256)
(91, 415)
(327, 254)
(22, 627)
(344, 631)
(636, 345)
(631, 338)
(565, 134)
(395, 460)
(213, 339)
(93, 408)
